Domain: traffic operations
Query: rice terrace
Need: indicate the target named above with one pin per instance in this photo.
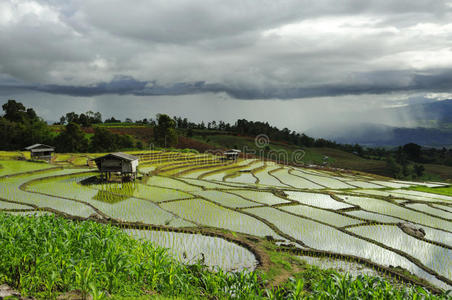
(250, 214)
(193, 149)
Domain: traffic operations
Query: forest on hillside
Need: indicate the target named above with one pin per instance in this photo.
(21, 126)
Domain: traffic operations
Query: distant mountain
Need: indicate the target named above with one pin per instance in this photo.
(434, 127)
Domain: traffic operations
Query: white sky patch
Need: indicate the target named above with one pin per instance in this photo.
(348, 26)
(431, 29)
(15, 11)
(420, 59)
(99, 63)
(439, 96)
(6, 13)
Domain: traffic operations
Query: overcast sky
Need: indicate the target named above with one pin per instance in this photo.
(292, 63)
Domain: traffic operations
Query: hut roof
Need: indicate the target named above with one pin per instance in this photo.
(39, 146)
(120, 155)
(232, 151)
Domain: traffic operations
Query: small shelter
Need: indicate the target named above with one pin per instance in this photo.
(121, 163)
(232, 154)
(41, 151)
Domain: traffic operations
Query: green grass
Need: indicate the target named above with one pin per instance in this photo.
(62, 157)
(447, 191)
(10, 155)
(10, 167)
(281, 262)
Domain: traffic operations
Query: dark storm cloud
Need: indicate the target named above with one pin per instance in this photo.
(249, 49)
(382, 82)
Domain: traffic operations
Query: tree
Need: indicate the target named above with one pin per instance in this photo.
(31, 114)
(165, 132)
(419, 170)
(394, 169)
(9, 135)
(306, 140)
(139, 145)
(72, 117)
(36, 132)
(358, 149)
(124, 141)
(103, 140)
(83, 120)
(413, 151)
(144, 121)
(72, 139)
(401, 156)
(14, 111)
(97, 118)
(21, 127)
(112, 120)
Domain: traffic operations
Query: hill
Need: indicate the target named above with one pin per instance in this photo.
(216, 141)
(334, 158)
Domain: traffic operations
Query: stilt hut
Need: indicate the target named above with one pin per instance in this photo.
(118, 163)
(41, 151)
(232, 154)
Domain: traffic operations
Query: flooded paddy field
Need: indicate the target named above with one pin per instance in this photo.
(313, 209)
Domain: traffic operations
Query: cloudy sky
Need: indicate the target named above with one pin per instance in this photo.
(292, 63)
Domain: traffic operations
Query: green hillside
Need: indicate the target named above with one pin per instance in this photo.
(336, 158)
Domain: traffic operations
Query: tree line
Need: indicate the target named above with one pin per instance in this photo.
(170, 127)
(21, 126)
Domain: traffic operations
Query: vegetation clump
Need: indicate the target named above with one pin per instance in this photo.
(446, 191)
(46, 256)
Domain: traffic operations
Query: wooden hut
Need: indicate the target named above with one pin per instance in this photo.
(232, 154)
(119, 163)
(41, 151)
